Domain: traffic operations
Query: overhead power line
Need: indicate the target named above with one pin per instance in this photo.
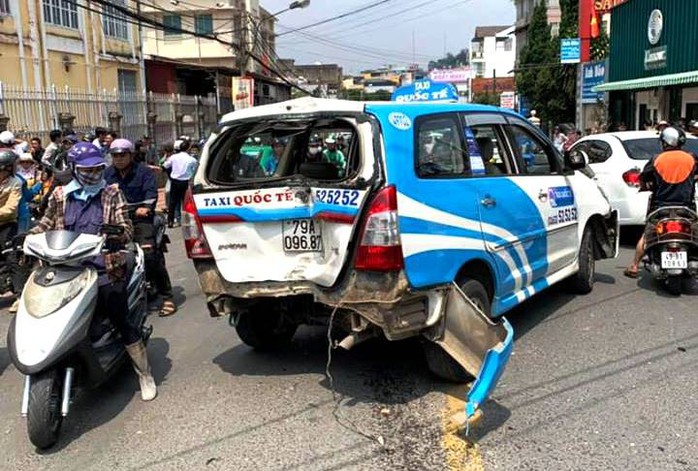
(338, 17)
(149, 21)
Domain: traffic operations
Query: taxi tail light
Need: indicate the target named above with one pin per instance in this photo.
(192, 230)
(380, 248)
(673, 227)
(632, 178)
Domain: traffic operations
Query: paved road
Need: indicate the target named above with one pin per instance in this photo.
(606, 381)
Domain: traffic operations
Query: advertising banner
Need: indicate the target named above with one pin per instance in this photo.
(243, 93)
(593, 74)
(570, 50)
(458, 75)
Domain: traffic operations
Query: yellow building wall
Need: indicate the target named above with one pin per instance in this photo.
(66, 69)
(10, 71)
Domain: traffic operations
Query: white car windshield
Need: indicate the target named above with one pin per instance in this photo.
(646, 148)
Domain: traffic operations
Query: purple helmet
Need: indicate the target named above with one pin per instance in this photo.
(85, 154)
(121, 146)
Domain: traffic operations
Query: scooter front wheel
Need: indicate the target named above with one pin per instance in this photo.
(44, 417)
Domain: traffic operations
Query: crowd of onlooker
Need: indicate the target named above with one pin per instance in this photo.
(39, 167)
(564, 136)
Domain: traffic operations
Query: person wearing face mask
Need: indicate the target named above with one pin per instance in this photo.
(84, 205)
(137, 181)
(314, 150)
(30, 178)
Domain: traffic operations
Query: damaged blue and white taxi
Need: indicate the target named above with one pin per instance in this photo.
(391, 219)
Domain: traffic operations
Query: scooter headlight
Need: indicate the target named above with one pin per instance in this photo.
(40, 301)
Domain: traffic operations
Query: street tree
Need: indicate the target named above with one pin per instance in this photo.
(548, 85)
(451, 60)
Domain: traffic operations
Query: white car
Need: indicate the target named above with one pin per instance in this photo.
(617, 159)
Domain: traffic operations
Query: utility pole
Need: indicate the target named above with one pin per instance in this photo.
(248, 40)
(141, 60)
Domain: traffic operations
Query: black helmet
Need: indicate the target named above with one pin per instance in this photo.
(7, 159)
(672, 136)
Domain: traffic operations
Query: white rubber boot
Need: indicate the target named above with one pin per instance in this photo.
(139, 356)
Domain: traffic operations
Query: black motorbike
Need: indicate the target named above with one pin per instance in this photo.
(671, 246)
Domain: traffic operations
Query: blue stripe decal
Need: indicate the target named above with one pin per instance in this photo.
(500, 306)
(263, 215)
(409, 225)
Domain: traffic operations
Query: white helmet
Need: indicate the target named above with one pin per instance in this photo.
(673, 136)
(7, 138)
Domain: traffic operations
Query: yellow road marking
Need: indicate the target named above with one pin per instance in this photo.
(461, 454)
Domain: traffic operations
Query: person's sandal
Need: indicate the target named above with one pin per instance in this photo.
(631, 273)
(168, 308)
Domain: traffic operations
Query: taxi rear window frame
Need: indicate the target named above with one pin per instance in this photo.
(269, 121)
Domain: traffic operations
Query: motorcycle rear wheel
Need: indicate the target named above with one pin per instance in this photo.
(44, 417)
(673, 285)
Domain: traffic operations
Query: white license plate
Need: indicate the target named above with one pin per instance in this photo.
(674, 260)
(302, 235)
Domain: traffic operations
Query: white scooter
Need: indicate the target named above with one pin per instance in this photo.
(58, 340)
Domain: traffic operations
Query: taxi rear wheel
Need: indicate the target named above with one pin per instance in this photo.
(440, 363)
(265, 328)
(582, 282)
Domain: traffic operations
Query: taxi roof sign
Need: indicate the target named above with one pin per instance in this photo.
(426, 90)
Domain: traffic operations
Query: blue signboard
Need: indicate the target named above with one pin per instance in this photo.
(570, 50)
(524, 106)
(426, 90)
(593, 74)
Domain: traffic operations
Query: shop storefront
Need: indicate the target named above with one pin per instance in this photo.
(653, 63)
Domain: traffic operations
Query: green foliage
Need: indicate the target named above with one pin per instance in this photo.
(600, 46)
(360, 95)
(486, 98)
(450, 61)
(549, 86)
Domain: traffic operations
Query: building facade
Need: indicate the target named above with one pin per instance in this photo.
(46, 43)
(653, 72)
(493, 51)
(179, 62)
(524, 13)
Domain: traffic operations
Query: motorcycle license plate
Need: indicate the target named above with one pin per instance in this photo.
(674, 260)
(302, 235)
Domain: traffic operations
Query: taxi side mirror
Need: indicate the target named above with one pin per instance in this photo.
(576, 159)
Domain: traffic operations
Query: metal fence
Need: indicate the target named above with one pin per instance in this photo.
(34, 113)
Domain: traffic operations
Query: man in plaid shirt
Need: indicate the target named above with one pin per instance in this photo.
(84, 205)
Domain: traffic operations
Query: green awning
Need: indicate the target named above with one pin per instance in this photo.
(650, 82)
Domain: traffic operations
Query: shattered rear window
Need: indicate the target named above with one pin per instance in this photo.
(326, 149)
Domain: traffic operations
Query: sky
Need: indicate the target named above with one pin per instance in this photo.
(394, 32)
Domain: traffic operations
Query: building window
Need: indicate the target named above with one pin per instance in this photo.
(114, 22)
(508, 44)
(61, 13)
(204, 24)
(4, 7)
(173, 25)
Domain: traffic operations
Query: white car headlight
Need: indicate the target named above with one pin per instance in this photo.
(41, 301)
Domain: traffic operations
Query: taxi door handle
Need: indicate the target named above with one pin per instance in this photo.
(488, 202)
